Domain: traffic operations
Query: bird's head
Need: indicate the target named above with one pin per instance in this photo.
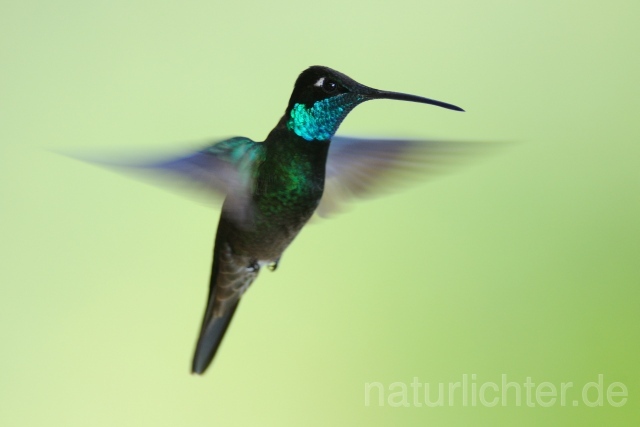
(323, 97)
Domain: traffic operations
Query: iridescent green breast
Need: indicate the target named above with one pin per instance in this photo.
(291, 179)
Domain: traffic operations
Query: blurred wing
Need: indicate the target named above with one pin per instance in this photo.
(219, 169)
(360, 167)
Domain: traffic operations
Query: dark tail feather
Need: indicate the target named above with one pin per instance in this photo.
(230, 277)
(213, 330)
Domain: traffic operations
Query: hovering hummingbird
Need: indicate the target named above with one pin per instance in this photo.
(272, 188)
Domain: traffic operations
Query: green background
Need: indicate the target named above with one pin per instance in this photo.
(526, 263)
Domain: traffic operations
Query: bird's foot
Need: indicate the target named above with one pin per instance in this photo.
(254, 267)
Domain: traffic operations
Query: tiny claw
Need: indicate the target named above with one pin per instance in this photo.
(273, 265)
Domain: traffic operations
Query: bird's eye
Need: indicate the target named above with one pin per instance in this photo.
(329, 86)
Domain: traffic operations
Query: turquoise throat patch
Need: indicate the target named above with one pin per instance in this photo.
(321, 121)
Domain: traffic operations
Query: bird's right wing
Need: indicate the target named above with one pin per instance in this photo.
(222, 168)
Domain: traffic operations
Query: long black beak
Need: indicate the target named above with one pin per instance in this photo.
(383, 94)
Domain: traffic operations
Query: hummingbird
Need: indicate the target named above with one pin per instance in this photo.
(272, 188)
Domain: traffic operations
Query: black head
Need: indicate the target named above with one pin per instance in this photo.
(323, 97)
(317, 83)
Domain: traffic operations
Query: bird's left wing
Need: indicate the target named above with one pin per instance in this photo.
(359, 167)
